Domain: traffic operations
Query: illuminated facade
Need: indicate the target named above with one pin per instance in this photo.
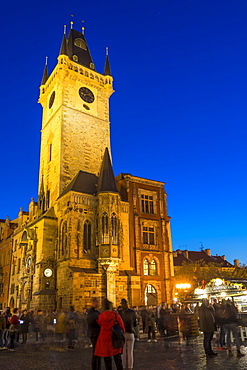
(89, 234)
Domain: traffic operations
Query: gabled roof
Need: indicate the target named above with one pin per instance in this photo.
(193, 256)
(197, 256)
(106, 181)
(84, 182)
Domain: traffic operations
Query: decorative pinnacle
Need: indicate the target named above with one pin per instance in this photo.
(82, 30)
(106, 50)
(64, 29)
(71, 25)
(46, 61)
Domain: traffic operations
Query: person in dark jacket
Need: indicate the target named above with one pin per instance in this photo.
(94, 330)
(207, 325)
(24, 327)
(129, 318)
(230, 325)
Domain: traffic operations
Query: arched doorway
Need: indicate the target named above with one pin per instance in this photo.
(150, 296)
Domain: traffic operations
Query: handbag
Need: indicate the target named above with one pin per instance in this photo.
(118, 338)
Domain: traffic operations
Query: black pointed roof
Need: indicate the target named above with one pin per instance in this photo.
(64, 47)
(106, 180)
(77, 47)
(45, 74)
(107, 69)
(83, 182)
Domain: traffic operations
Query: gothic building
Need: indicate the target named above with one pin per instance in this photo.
(89, 234)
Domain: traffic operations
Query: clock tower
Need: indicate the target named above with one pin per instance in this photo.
(75, 124)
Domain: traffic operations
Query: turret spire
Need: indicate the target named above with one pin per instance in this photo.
(64, 47)
(107, 68)
(45, 73)
(106, 180)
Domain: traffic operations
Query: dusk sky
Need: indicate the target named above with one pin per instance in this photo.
(178, 114)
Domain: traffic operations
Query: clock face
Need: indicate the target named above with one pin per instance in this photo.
(86, 95)
(48, 272)
(52, 98)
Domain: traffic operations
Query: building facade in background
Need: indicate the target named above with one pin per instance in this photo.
(89, 234)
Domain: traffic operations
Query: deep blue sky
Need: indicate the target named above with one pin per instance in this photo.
(178, 114)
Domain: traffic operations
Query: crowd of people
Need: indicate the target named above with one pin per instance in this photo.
(96, 323)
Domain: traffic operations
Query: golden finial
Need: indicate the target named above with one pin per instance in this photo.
(64, 29)
(82, 30)
(46, 60)
(106, 50)
(71, 25)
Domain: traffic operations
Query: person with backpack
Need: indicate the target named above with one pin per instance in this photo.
(104, 346)
(229, 319)
(129, 318)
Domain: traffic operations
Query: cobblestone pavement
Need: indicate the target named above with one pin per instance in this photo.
(172, 355)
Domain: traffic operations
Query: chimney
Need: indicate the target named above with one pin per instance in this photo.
(236, 263)
(186, 253)
(223, 257)
(208, 251)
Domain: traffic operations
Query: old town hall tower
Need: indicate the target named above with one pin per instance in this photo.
(90, 233)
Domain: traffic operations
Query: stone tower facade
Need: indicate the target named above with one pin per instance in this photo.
(89, 234)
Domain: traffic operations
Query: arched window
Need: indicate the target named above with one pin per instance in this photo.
(24, 236)
(146, 267)
(153, 268)
(105, 229)
(87, 236)
(114, 228)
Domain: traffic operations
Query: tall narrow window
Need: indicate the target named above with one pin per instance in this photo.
(114, 228)
(64, 239)
(105, 229)
(50, 152)
(146, 267)
(48, 199)
(153, 268)
(87, 236)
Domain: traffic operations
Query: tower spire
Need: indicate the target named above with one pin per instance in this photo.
(107, 68)
(106, 180)
(64, 47)
(45, 73)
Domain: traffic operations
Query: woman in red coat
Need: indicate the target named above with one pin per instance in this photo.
(104, 347)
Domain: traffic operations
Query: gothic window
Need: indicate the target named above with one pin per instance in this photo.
(148, 235)
(153, 268)
(24, 236)
(47, 199)
(150, 268)
(105, 228)
(146, 267)
(114, 228)
(87, 236)
(64, 238)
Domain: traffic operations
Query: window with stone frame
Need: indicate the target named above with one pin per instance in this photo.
(105, 228)
(114, 228)
(148, 201)
(87, 235)
(153, 271)
(150, 268)
(146, 267)
(147, 204)
(148, 235)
